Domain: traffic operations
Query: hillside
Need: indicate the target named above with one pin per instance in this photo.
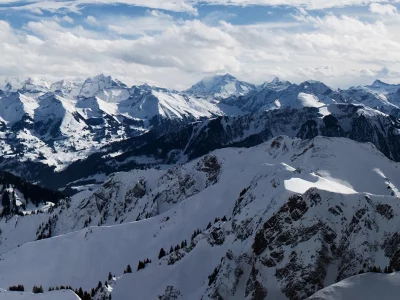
(298, 197)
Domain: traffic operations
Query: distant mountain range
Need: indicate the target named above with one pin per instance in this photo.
(52, 125)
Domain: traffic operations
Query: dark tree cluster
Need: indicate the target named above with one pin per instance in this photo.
(127, 270)
(57, 288)
(143, 264)
(224, 219)
(374, 269)
(243, 192)
(83, 294)
(31, 192)
(17, 288)
(87, 222)
(213, 276)
(163, 253)
(45, 229)
(195, 233)
(184, 244)
(37, 289)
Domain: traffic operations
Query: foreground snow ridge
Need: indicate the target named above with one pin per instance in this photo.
(369, 286)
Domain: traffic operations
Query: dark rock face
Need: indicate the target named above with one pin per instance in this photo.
(385, 210)
(255, 289)
(211, 166)
(308, 239)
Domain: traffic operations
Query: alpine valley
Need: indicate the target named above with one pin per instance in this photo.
(226, 190)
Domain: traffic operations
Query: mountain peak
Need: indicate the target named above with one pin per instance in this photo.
(276, 84)
(379, 83)
(95, 84)
(276, 80)
(220, 86)
(380, 86)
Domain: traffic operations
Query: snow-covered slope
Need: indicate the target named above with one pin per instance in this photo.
(370, 286)
(54, 295)
(296, 219)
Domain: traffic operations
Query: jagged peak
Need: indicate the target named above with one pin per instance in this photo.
(276, 80)
(105, 78)
(379, 82)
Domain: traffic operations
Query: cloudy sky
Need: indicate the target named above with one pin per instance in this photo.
(174, 43)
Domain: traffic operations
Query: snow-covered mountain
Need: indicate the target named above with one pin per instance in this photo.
(336, 120)
(380, 95)
(50, 126)
(219, 87)
(279, 94)
(383, 87)
(275, 84)
(278, 221)
(57, 124)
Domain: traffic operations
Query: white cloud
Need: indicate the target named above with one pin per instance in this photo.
(188, 6)
(75, 5)
(68, 19)
(92, 20)
(162, 50)
(383, 9)
(154, 21)
(309, 4)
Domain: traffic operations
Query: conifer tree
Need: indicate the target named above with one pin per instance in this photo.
(80, 292)
(128, 269)
(162, 253)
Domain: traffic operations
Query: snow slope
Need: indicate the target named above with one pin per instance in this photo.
(250, 187)
(59, 295)
(370, 286)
